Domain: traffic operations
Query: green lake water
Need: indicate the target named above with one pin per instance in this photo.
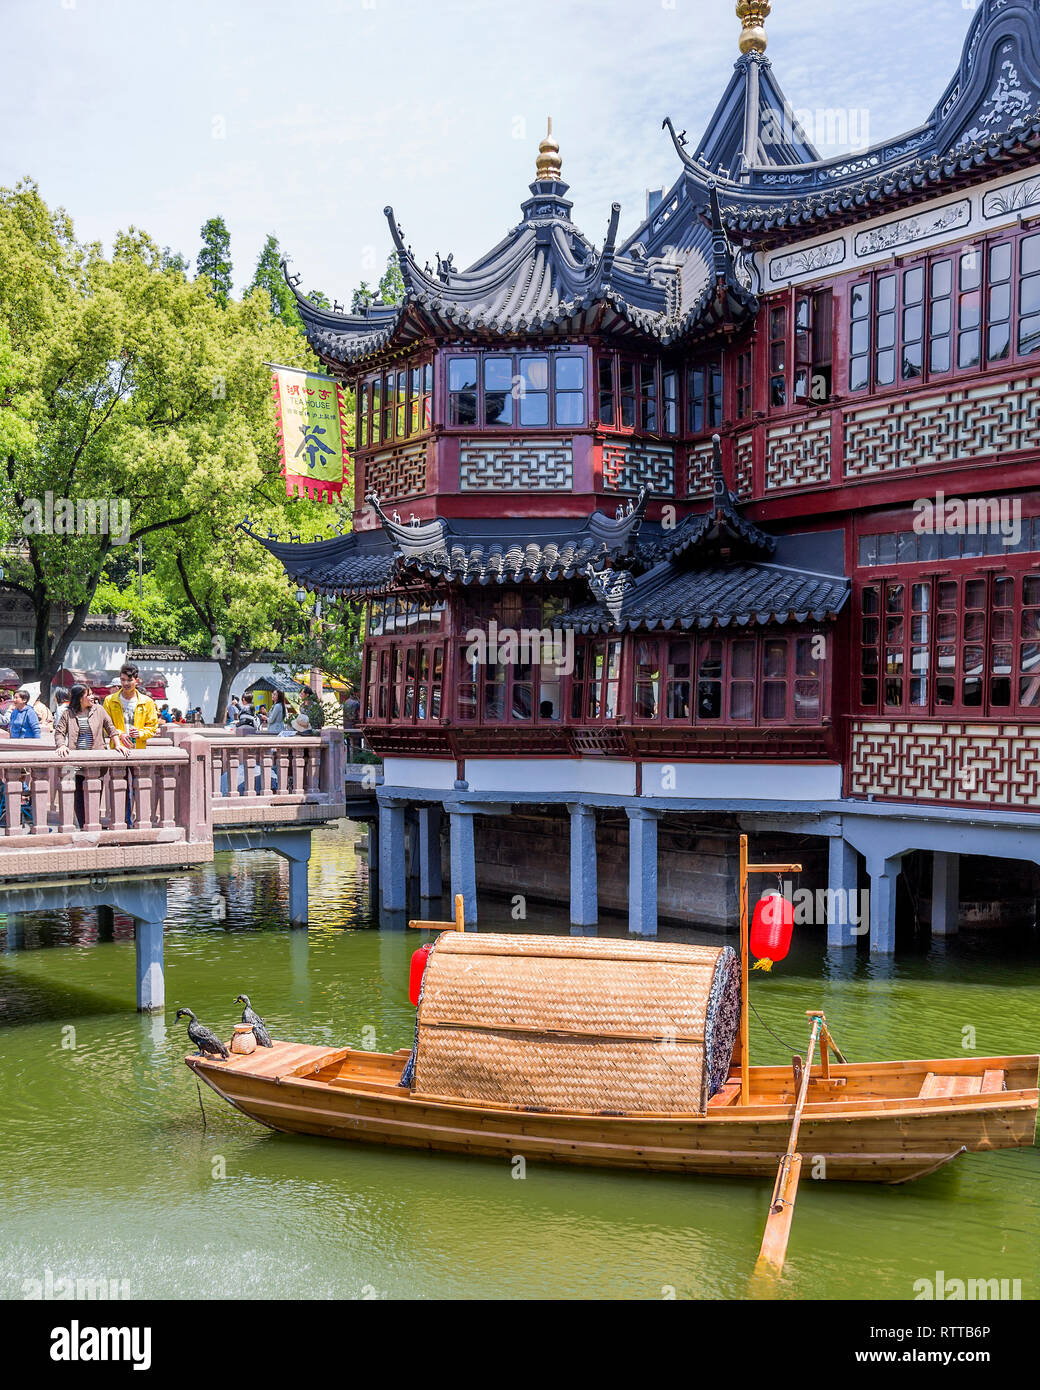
(106, 1172)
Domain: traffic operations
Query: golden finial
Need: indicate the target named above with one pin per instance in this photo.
(548, 164)
(752, 15)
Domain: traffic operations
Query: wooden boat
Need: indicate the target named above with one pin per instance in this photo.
(623, 1054)
(872, 1121)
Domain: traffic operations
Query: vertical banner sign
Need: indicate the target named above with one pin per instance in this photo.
(312, 432)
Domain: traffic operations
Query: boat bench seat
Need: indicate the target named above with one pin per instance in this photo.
(949, 1084)
(726, 1095)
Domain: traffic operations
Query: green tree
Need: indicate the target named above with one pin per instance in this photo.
(391, 286)
(215, 259)
(362, 297)
(124, 385)
(173, 260)
(269, 277)
(237, 591)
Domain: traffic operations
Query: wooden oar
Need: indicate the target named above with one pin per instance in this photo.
(781, 1208)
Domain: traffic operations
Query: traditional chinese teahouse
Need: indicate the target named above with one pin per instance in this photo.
(694, 461)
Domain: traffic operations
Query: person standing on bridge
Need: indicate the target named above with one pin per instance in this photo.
(131, 711)
(23, 721)
(85, 725)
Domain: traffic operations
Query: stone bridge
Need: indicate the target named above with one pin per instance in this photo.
(100, 830)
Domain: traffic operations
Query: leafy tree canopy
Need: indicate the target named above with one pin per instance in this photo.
(134, 407)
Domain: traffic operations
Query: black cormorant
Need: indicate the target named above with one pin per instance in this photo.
(250, 1016)
(204, 1038)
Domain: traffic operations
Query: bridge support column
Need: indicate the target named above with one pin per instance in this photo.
(584, 888)
(884, 878)
(463, 862)
(842, 894)
(430, 878)
(946, 892)
(151, 979)
(642, 871)
(393, 888)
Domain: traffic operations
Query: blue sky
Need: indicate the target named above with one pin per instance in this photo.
(305, 120)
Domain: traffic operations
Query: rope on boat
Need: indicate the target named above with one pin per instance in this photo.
(779, 1039)
(201, 1106)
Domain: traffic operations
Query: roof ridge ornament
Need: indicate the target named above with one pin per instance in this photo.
(752, 15)
(549, 166)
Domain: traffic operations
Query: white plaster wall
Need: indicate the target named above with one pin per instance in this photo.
(432, 774)
(552, 775)
(188, 683)
(743, 781)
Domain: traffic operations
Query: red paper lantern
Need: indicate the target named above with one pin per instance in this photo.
(418, 968)
(771, 928)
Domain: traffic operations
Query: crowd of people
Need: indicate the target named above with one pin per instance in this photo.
(248, 717)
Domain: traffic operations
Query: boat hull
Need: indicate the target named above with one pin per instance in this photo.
(860, 1126)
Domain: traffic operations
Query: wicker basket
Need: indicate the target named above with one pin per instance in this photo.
(576, 1023)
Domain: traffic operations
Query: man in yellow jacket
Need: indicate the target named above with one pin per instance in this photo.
(130, 709)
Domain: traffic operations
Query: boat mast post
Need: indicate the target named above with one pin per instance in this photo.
(745, 869)
(745, 1060)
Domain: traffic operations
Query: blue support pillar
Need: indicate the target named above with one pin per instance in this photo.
(842, 894)
(14, 932)
(584, 889)
(463, 862)
(393, 887)
(151, 982)
(884, 876)
(946, 888)
(430, 878)
(642, 871)
(295, 846)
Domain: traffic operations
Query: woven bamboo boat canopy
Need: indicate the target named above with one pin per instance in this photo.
(576, 1023)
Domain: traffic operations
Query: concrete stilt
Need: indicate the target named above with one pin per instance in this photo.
(463, 863)
(430, 878)
(411, 841)
(642, 871)
(946, 888)
(584, 888)
(151, 982)
(295, 846)
(393, 888)
(842, 882)
(884, 876)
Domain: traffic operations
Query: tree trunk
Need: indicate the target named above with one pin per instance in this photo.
(235, 662)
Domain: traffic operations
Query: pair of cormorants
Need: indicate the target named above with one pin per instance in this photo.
(207, 1042)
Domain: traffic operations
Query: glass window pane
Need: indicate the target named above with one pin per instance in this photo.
(774, 658)
(534, 408)
(913, 285)
(886, 293)
(1030, 253)
(570, 373)
(462, 374)
(942, 278)
(498, 373)
(534, 373)
(1000, 262)
(971, 270)
(774, 700)
(570, 408)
